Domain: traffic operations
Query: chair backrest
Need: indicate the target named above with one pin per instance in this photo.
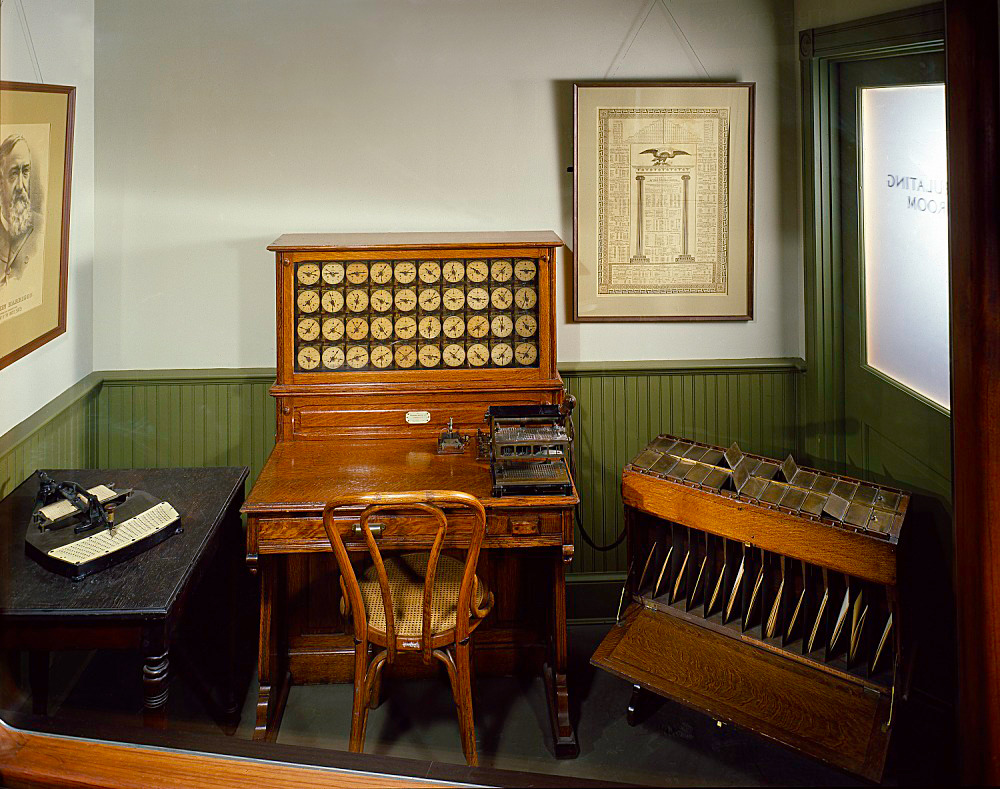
(429, 504)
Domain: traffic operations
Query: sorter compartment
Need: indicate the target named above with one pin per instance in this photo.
(696, 568)
(817, 600)
(838, 612)
(676, 588)
(859, 635)
(793, 622)
(753, 581)
(715, 575)
(733, 584)
(773, 609)
(881, 655)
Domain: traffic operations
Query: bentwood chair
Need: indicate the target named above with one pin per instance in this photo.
(424, 602)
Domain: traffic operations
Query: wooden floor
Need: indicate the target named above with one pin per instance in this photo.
(673, 746)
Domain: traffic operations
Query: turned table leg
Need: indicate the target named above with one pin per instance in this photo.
(155, 679)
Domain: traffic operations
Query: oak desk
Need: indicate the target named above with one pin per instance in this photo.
(529, 540)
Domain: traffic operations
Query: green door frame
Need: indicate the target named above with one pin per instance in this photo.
(822, 50)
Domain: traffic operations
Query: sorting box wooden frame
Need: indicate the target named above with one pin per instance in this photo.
(780, 621)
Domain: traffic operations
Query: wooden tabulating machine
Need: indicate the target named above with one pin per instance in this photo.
(764, 594)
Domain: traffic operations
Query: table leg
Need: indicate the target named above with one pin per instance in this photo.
(155, 679)
(564, 737)
(272, 678)
(38, 678)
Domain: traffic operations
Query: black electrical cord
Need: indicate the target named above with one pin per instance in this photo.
(587, 539)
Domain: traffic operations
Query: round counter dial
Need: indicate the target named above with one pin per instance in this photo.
(453, 271)
(525, 298)
(526, 353)
(526, 325)
(333, 273)
(405, 272)
(454, 327)
(478, 299)
(308, 273)
(307, 301)
(430, 327)
(478, 354)
(406, 300)
(453, 299)
(501, 298)
(405, 356)
(501, 326)
(333, 301)
(429, 299)
(333, 329)
(501, 270)
(333, 357)
(525, 270)
(357, 357)
(381, 300)
(501, 354)
(357, 273)
(381, 356)
(357, 328)
(429, 271)
(429, 355)
(357, 300)
(478, 326)
(381, 273)
(453, 355)
(308, 358)
(406, 327)
(381, 329)
(477, 270)
(308, 329)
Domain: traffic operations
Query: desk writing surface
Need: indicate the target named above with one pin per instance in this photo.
(145, 585)
(301, 476)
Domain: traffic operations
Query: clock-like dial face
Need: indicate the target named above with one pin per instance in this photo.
(430, 327)
(333, 273)
(478, 354)
(333, 301)
(381, 273)
(453, 299)
(357, 328)
(406, 327)
(308, 273)
(357, 356)
(381, 300)
(308, 358)
(424, 314)
(405, 356)
(501, 270)
(307, 301)
(405, 272)
(453, 271)
(333, 357)
(501, 354)
(478, 298)
(429, 271)
(357, 273)
(430, 299)
(453, 355)
(429, 355)
(333, 329)
(501, 326)
(308, 329)
(501, 298)
(525, 325)
(525, 298)
(381, 328)
(454, 327)
(381, 356)
(357, 300)
(477, 270)
(478, 326)
(526, 353)
(525, 270)
(406, 300)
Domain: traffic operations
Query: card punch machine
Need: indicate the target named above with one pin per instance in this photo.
(76, 532)
(530, 449)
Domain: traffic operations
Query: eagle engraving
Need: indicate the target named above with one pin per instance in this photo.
(664, 156)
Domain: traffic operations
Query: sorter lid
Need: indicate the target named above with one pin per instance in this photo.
(290, 242)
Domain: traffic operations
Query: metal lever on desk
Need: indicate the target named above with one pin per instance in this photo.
(375, 527)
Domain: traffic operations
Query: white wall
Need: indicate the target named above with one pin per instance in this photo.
(820, 13)
(62, 32)
(222, 124)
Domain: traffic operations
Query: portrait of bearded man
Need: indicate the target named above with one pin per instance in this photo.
(21, 227)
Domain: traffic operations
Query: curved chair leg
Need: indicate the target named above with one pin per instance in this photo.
(359, 711)
(463, 701)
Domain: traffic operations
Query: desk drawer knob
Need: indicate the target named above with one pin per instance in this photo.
(375, 527)
(524, 525)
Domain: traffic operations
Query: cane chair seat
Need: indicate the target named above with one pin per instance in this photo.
(406, 574)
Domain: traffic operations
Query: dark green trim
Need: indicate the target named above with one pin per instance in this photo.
(823, 50)
(567, 369)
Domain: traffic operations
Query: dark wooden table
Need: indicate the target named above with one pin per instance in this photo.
(133, 605)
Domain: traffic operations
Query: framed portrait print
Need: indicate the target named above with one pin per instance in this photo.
(663, 201)
(36, 155)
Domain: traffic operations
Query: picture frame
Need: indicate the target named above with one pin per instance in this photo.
(36, 161)
(678, 156)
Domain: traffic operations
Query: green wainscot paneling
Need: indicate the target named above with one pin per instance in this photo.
(59, 435)
(129, 419)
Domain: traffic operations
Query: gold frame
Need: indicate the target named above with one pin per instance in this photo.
(729, 295)
(35, 312)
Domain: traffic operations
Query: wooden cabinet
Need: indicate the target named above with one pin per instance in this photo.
(382, 339)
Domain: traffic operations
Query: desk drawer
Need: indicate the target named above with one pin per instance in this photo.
(306, 534)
